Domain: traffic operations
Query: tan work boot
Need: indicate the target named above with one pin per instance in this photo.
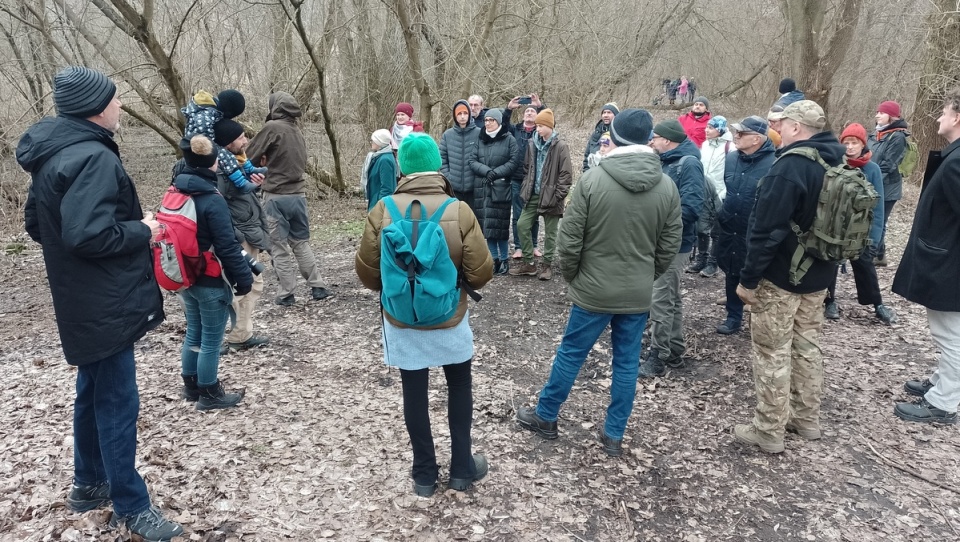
(806, 430)
(722, 300)
(524, 268)
(748, 434)
(546, 273)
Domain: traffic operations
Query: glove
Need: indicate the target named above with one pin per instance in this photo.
(249, 187)
(243, 289)
(491, 176)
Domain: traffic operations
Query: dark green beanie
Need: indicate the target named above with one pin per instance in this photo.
(418, 153)
(670, 130)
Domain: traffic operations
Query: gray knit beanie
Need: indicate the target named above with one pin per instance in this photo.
(82, 92)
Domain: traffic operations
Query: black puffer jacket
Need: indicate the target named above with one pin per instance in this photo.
(83, 209)
(214, 226)
(741, 174)
(593, 144)
(457, 147)
(496, 155)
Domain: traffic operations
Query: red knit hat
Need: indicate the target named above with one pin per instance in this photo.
(889, 107)
(403, 107)
(855, 130)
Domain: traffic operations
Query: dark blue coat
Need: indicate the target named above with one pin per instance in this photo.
(83, 209)
(688, 174)
(889, 148)
(741, 174)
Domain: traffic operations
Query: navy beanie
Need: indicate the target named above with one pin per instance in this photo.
(787, 85)
(231, 103)
(81, 92)
(631, 127)
(226, 131)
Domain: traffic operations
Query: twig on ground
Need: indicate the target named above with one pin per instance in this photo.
(573, 535)
(908, 470)
(944, 516)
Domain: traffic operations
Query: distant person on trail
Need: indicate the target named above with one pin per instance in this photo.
(607, 113)
(403, 124)
(683, 89)
(927, 274)
(621, 231)
(523, 132)
(458, 146)
(672, 87)
(713, 154)
(691, 88)
(889, 146)
(449, 344)
(82, 207)
(788, 93)
(494, 163)
(477, 110)
(380, 173)
(695, 121)
(854, 138)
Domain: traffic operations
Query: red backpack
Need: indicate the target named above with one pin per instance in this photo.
(177, 260)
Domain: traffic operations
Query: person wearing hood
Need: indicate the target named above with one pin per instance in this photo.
(449, 344)
(713, 154)
(548, 177)
(889, 146)
(458, 146)
(621, 231)
(788, 93)
(787, 317)
(695, 121)
(854, 138)
(607, 114)
(493, 165)
(83, 210)
(205, 303)
(379, 177)
(680, 160)
(281, 147)
(751, 159)
(403, 124)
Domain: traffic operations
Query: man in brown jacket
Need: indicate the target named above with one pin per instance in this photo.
(281, 147)
(448, 344)
(548, 177)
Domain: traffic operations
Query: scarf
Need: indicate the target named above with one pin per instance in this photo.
(861, 160)
(364, 173)
(492, 134)
(542, 148)
(398, 133)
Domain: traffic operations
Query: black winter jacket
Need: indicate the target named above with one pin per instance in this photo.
(888, 148)
(83, 209)
(741, 174)
(692, 186)
(523, 138)
(789, 191)
(457, 147)
(214, 226)
(927, 272)
(496, 155)
(593, 144)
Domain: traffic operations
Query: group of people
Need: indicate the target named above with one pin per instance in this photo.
(682, 89)
(650, 193)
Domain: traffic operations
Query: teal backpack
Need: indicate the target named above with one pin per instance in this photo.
(420, 281)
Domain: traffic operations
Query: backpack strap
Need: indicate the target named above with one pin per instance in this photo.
(726, 148)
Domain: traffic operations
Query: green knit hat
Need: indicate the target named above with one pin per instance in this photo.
(670, 130)
(418, 153)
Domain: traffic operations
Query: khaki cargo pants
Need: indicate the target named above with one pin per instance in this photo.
(787, 361)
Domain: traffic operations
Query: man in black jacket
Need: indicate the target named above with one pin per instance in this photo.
(787, 314)
(83, 209)
(927, 274)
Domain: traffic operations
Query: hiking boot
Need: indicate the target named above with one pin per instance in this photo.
(729, 327)
(190, 391)
(886, 314)
(652, 366)
(253, 342)
(698, 264)
(213, 397)
(722, 300)
(424, 490)
(918, 387)
(880, 261)
(463, 484)
(86, 498)
(319, 293)
(612, 447)
(924, 412)
(546, 272)
(710, 270)
(286, 301)
(748, 434)
(504, 267)
(524, 269)
(517, 254)
(529, 419)
(496, 266)
(831, 311)
(808, 431)
(675, 361)
(150, 525)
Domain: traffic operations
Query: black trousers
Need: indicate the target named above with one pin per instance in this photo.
(865, 277)
(416, 415)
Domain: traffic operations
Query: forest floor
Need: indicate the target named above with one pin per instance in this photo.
(318, 449)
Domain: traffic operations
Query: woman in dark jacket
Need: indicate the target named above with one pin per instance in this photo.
(494, 164)
(889, 145)
(206, 303)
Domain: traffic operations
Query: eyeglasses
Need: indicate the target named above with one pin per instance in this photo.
(489, 120)
(738, 135)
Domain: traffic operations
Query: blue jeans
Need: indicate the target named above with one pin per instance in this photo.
(206, 308)
(105, 430)
(734, 303)
(583, 329)
(517, 209)
(887, 211)
(499, 248)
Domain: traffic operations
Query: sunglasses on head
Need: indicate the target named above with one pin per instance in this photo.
(605, 142)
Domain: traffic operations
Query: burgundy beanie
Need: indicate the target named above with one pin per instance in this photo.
(403, 107)
(889, 107)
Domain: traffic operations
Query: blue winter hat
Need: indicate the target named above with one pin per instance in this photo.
(719, 123)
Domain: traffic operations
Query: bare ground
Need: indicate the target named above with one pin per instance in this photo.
(318, 450)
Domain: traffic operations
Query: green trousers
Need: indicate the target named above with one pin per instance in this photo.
(525, 227)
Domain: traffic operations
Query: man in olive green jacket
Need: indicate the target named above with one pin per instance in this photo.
(621, 231)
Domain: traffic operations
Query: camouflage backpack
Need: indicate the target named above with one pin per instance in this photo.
(841, 226)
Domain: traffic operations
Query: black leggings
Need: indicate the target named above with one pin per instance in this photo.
(416, 415)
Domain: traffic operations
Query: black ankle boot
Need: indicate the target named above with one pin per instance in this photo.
(190, 391)
(496, 266)
(213, 397)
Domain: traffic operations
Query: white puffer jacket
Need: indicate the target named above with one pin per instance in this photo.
(713, 154)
